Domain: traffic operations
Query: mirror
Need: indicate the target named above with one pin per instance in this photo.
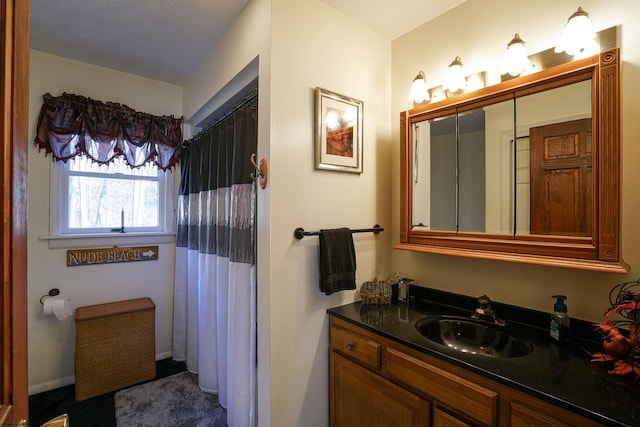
(554, 186)
(476, 176)
(457, 155)
(522, 171)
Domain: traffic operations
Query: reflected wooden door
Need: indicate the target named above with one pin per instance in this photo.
(562, 179)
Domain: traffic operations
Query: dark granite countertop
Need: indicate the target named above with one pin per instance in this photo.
(560, 374)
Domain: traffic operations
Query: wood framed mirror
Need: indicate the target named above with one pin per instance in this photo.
(527, 170)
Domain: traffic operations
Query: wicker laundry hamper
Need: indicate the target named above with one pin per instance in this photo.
(115, 346)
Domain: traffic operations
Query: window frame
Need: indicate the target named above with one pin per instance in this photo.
(59, 238)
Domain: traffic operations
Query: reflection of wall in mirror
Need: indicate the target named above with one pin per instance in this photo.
(472, 171)
(420, 175)
(499, 199)
(443, 173)
(523, 183)
(434, 174)
(448, 173)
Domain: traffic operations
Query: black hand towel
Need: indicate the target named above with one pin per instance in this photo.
(337, 261)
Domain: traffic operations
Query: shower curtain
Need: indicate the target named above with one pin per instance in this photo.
(214, 328)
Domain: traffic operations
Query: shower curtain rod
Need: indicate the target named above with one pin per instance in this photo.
(244, 101)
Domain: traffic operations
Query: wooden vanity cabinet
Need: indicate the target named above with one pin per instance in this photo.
(526, 411)
(359, 394)
(360, 397)
(374, 381)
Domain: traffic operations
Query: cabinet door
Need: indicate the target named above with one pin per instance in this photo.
(442, 419)
(359, 397)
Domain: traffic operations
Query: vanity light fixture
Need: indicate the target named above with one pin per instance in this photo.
(455, 80)
(515, 58)
(578, 35)
(419, 91)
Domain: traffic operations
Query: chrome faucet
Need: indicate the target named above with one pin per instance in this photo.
(485, 312)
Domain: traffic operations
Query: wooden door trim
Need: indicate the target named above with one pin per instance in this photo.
(15, 113)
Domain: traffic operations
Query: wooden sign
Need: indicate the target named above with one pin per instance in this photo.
(116, 254)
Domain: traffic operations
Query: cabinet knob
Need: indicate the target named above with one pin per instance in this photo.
(349, 347)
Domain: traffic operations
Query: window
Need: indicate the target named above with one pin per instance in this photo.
(105, 198)
(89, 202)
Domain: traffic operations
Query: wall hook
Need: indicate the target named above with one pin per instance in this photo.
(261, 171)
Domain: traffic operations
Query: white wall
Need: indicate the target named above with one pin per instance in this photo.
(51, 342)
(298, 49)
(478, 32)
(313, 45)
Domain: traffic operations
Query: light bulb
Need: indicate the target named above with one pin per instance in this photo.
(455, 79)
(419, 91)
(577, 35)
(515, 58)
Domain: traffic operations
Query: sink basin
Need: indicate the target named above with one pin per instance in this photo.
(473, 336)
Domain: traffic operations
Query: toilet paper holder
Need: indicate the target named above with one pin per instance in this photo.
(52, 293)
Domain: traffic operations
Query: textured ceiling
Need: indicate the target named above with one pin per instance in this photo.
(167, 39)
(393, 18)
(162, 39)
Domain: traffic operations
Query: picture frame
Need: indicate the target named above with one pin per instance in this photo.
(338, 141)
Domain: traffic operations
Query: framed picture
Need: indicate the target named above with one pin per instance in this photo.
(338, 132)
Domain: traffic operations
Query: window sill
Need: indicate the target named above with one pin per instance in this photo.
(89, 240)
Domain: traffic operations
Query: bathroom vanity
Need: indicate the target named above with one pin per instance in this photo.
(384, 372)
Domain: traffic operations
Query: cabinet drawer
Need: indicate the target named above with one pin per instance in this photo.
(356, 347)
(540, 414)
(464, 396)
(523, 416)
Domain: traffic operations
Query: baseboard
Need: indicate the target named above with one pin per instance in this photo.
(63, 382)
(51, 385)
(165, 355)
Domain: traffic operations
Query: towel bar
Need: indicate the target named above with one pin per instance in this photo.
(299, 232)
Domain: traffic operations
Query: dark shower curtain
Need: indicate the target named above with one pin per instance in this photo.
(215, 283)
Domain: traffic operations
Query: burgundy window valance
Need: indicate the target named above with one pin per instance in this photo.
(70, 125)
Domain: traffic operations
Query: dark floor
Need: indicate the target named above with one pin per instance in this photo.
(94, 412)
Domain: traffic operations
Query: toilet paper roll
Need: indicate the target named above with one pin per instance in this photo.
(58, 305)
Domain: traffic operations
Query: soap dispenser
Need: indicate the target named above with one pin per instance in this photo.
(559, 328)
